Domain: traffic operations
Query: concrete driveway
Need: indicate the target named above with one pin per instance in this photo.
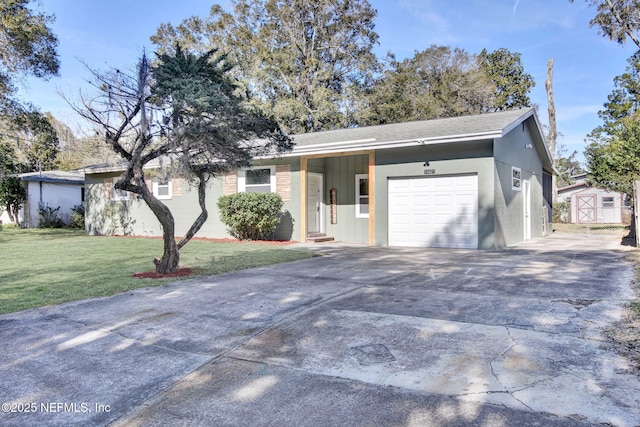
(358, 336)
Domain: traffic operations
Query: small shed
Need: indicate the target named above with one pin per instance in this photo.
(597, 206)
(55, 189)
(592, 205)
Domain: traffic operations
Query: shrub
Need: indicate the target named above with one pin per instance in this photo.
(250, 216)
(77, 217)
(561, 212)
(49, 217)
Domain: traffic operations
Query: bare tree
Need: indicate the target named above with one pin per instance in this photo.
(187, 112)
(553, 134)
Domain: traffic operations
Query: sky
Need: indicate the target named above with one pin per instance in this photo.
(114, 33)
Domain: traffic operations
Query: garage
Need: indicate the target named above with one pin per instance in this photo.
(436, 212)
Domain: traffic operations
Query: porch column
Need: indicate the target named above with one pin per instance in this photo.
(303, 199)
(372, 198)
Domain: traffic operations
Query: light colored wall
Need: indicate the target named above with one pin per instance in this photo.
(513, 150)
(133, 217)
(53, 195)
(445, 159)
(603, 215)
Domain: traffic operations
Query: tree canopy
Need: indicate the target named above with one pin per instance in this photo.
(303, 62)
(617, 19)
(27, 47)
(567, 167)
(505, 70)
(614, 163)
(444, 82)
(186, 113)
(613, 155)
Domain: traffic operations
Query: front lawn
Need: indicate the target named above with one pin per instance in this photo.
(40, 267)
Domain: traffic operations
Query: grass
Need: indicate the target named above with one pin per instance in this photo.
(41, 267)
(591, 228)
(624, 335)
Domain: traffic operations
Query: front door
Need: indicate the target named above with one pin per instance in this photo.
(314, 202)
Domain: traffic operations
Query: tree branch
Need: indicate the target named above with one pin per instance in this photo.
(202, 218)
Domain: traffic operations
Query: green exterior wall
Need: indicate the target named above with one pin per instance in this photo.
(445, 159)
(513, 150)
(133, 217)
(500, 208)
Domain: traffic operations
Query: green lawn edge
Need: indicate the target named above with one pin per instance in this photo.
(42, 267)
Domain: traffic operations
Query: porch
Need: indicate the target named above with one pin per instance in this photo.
(338, 197)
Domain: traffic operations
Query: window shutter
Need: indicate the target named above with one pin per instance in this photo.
(108, 188)
(283, 182)
(176, 187)
(230, 183)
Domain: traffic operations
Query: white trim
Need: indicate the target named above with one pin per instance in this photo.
(516, 181)
(120, 195)
(358, 196)
(340, 147)
(320, 178)
(526, 208)
(156, 193)
(242, 178)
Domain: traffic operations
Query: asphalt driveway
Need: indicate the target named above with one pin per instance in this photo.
(357, 336)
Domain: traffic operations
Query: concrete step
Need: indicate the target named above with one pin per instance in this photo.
(318, 238)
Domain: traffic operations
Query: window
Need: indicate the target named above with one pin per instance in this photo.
(607, 202)
(362, 196)
(162, 189)
(516, 182)
(257, 180)
(120, 194)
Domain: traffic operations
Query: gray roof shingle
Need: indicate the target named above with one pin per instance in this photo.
(432, 130)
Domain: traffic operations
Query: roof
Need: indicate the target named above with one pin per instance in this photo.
(480, 127)
(466, 128)
(58, 177)
(580, 184)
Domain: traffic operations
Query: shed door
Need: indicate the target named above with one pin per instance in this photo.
(438, 212)
(587, 209)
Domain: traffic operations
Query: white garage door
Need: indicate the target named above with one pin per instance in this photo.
(437, 212)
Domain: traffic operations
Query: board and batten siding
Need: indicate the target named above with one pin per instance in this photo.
(340, 174)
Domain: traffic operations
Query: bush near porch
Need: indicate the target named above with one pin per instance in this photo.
(250, 216)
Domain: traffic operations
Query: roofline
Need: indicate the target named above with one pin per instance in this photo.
(48, 176)
(372, 144)
(56, 180)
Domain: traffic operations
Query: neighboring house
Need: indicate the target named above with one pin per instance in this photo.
(479, 181)
(54, 189)
(591, 205)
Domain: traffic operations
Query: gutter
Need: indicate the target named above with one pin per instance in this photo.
(372, 144)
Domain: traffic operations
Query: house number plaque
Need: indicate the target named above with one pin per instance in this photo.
(333, 201)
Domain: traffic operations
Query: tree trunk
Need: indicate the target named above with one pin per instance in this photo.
(552, 125)
(171, 254)
(204, 214)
